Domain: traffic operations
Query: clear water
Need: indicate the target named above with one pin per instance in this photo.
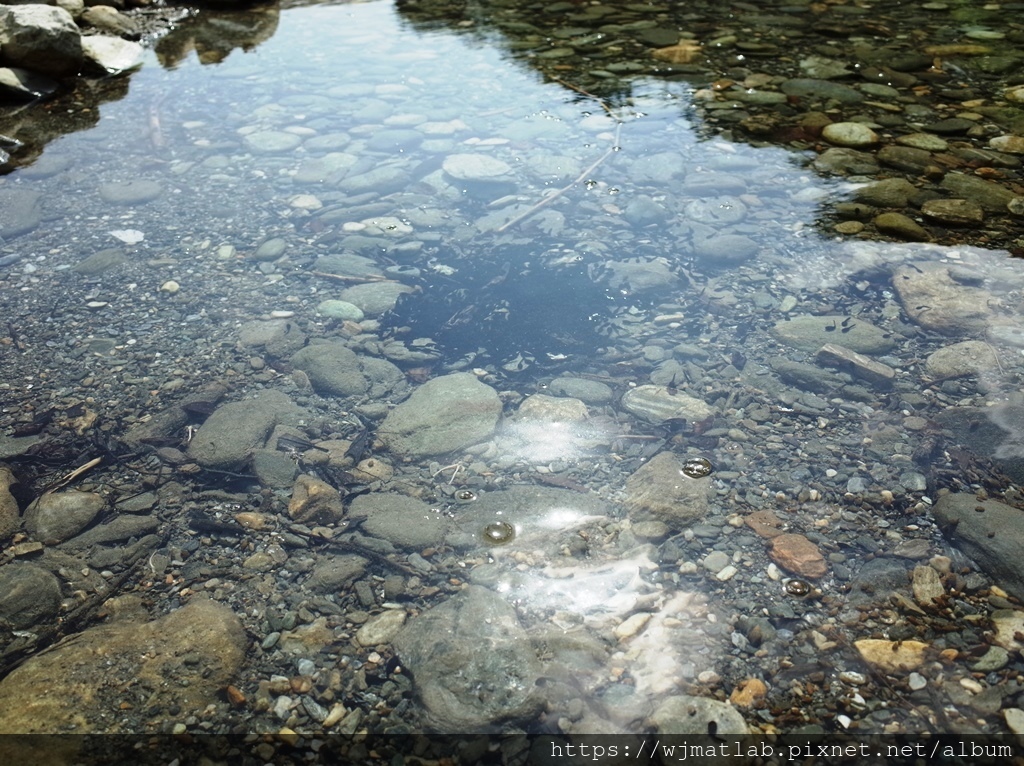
(610, 281)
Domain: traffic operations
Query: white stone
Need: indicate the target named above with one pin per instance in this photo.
(849, 134)
(475, 167)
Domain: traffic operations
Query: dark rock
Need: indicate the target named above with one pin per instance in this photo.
(58, 516)
(229, 436)
(989, 532)
(29, 595)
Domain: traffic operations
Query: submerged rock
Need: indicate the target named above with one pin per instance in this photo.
(181, 661)
(660, 490)
(227, 439)
(472, 664)
(443, 415)
(57, 516)
(989, 532)
(29, 595)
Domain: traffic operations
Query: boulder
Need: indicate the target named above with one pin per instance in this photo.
(40, 38)
(472, 664)
(181, 661)
(228, 438)
(988, 532)
(659, 490)
(443, 415)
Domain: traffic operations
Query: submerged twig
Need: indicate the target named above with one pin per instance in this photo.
(344, 278)
(552, 197)
(73, 475)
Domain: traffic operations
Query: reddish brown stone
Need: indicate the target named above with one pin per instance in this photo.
(797, 554)
(765, 523)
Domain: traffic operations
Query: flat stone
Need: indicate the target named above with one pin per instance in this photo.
(271, 142)
(443, 415)
(20, 212)
(381, 628)
(988, 532)
(552, 408)
(955, 212)
(58, 516)
(100, 262)
(905, 158)
(1008, 144)
(325, 169)
(810, 333)
(374, 298)
(725, 250)
(657, 404)
(821, 90)
(990, 196)
(333, 369)
(935, 300)
(475, 167)
(473, 666)
(274, 468)
(972, 357)
(925, 141)
(796, 554)
(336, 574)
(954, 126)
(658, 490)
(587, 391)
(901, 226)
(229, 436)
(10, 514)
(846, 162)
(343, 310)
(314, 501)
(118, 529)
(850, 134)
(73, 686)
(892, 656)
(858, 365)
(890, 192)
(401, 520)
(541, 516)
(137, 192)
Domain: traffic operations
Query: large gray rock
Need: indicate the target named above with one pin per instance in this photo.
(335, 369)
(472, 663)
(74, 686)
(41, 38)
(688, 714)
(58, 516)
(657, 404)
(399, 519)
(810, 333)
(989, 532)
(443, 415)
(29, 595)
(659, 490)
(938, 299)
(543, 517)
(20, 212)
(228, 438)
